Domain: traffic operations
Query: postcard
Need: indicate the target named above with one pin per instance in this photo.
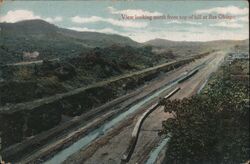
(124, 81)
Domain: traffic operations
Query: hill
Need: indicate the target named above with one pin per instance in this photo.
(50, 41)
(183, 48)
(164, 43)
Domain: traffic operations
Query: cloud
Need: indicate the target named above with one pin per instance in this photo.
(105, 30)
(193, 23)
(92, 19)
(133, 12)
(233, 10)
(243, 19)
(227, 25)
(174, 22)
(121, 23)
(20, 15)
(206, 35)
(183, 22)
(53, 19)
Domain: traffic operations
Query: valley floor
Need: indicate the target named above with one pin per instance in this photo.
(109, 148)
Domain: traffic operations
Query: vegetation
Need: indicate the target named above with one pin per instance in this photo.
(184, 48)
(212, 127)
(51, 77)
(83, 58)
(50, 41)
(80, 59)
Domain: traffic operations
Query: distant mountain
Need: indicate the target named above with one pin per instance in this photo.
(96, 39)
(163, 43)
(166, 43)
(51, 41)
(183, 48)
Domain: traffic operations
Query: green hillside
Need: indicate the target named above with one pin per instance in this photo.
(50, 41)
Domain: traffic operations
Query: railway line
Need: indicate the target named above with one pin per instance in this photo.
(65, 147)
(118, 140)
(85, 141)
(135, 134)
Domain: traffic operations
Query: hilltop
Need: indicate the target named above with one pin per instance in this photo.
(51, 41)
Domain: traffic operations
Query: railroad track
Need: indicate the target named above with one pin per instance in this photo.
(135, 133)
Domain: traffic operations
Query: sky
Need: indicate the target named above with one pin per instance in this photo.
(140, 20)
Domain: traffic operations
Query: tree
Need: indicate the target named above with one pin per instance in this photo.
(212, 127)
